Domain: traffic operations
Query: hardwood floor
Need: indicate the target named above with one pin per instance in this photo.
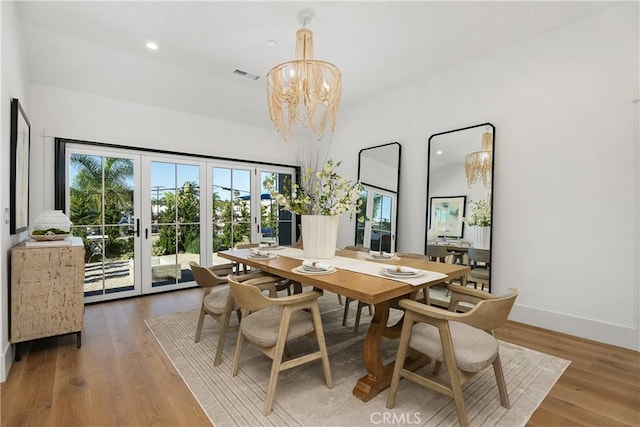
(121, 377)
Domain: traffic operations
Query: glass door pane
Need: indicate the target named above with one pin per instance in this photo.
(381, 223)
(175, 223)
(102, 210)
(276, 224)
(362, 226)
(231, 200)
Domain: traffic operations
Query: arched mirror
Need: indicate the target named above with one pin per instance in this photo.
(459, 195)
(379, 173)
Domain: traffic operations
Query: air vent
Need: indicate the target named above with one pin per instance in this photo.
(245, 74)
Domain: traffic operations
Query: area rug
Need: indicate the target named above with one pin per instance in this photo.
(302, 398)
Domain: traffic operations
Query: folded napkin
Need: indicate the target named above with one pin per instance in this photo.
(401, 269)
(258, 252)
(316, 265)
(381, 254)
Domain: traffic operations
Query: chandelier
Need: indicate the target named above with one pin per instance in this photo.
(478, 165)
(304, 90)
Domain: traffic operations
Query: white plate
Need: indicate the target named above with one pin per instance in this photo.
(301, 270)
(382, 258)
(49, 237)
(401, 275)
(269, 256)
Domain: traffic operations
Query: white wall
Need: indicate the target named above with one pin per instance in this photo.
(565, 188)
(77, 115)
(15, 81)
(379, 174)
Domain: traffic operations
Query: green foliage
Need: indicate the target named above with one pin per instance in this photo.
(320, 192)
(231, 221)
(193, 245)
(480, 214)
(180, 209)
(101, 194)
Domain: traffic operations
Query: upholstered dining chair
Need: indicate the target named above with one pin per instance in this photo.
(283, 284)
(243, 267)
(413, 255)
(437, 253)
(463, 341)
(440, 253)
(480, 268)
(358, 248)
(270, 323)
(356, 326)
(217, 301)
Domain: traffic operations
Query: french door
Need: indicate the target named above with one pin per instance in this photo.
(103, 204)
(144, 217)
(243, 211)
(171, 221)
(277, 226)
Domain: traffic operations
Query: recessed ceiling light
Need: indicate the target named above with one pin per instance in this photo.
(439, 152)
(272, 43)
(152, 45)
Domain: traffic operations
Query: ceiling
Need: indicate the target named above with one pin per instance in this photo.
(99, 47)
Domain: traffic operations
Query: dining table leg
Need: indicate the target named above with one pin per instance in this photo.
(379, 375)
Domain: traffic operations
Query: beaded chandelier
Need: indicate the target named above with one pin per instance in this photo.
(478, 165)
(304, 90)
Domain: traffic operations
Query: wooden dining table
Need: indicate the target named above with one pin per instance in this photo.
(378, 291)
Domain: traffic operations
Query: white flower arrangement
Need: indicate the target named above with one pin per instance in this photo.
(321, 192)
(480, 214)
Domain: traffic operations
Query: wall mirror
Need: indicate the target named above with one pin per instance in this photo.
(459, 184)
(379, 173)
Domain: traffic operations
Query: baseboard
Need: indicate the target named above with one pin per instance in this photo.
(608, 333)
(6, 359)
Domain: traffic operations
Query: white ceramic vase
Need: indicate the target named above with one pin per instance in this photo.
(481, 237)
(319, 236)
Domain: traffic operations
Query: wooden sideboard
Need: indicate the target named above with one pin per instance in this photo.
(47, 292)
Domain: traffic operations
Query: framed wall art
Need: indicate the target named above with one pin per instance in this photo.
(20, 146)
(445, 215)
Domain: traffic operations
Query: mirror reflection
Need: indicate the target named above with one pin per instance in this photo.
(459, 198)
(379, 173)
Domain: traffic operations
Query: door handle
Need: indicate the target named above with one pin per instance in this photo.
(138, 227)
(146, 233)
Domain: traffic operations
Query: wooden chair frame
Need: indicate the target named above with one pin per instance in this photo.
(361, 304)
(250, 299)
(357, 248)
(284, 284)
(207, 279)
(243, 267)
(489, 313)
